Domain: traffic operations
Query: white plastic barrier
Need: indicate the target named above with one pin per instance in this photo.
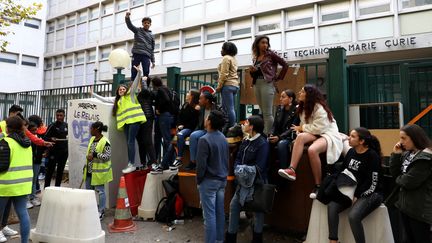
(81, 114)
(68, 216)
(153, 193)
(376, 226)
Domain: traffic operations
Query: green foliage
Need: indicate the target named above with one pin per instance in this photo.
(12, 12)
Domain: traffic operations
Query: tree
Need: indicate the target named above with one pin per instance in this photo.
(13, 12)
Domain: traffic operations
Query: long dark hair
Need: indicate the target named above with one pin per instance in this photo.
(255, 47)
(290, 93)
(313, 97)
(418, 136)
(370, 140)
(117, 98)
(195, 94)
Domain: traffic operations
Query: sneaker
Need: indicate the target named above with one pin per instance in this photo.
(154, 166)
(36, 202)
(190, 166)
(101, 215)
(288, 174)
(130, 168)
(176, 165)
(41, 176)
(8, 231)
(2, 237)
(29, 205)
(314, 192)
(144, 167)
(157, 170)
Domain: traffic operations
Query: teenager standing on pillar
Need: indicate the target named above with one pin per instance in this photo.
(265, 77)
(143, 47)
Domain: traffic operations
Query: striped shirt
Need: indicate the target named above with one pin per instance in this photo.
(143, 41)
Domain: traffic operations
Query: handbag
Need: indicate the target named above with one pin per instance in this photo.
(263, 197)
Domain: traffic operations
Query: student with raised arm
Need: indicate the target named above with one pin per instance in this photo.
(129, 115)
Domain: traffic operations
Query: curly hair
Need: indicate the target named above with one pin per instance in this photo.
(229, 48)
(313, 97)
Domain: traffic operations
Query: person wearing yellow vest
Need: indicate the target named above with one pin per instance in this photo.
(16, 173)
(97, 170)
(129, 115)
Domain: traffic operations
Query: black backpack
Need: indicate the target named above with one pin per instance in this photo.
(166, 212)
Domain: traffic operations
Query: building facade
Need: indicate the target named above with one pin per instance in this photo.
(22, 63)
(189, 33)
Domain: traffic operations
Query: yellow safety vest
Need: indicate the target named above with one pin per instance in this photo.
(17, 180)
(129, 112)
(3, 127)
(101, 171)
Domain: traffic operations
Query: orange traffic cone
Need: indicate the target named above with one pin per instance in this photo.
(122, 217)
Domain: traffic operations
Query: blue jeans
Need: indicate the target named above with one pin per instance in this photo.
(181, 140)
(19, 203)
(131, 132)
(100, 189)
(163, 132)
(228, 93)
(234, 217)
(168, 157)
(212, 193)
(284, 154)
(36, 168)
(193, 143)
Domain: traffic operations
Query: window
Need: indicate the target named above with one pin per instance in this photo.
(68, 60)
(58, 62)
(268, 23)
(104, 53)
(108, 9)
(60, 23)
(192, 37)
(78, 75)
(70, 37)
(120, 26)
(50, 42)
(300, 17)
(136, 2)
(366, 7)
(8, 57)
(91, 56)
(215, 7)
(240, 28)
(50, 27)
(59, 40)
(71, 20)
(107, 23)
(79, 58)
(93, 31)
(300, 38)
(239, 4)
(414, 3)
(48, 63)
(157, 43)
(154, 11)
(192, 10)
(215, 33)
(122, 5)
(33, 23)
(82, 17)
(29, 61)
(333, 34)
(335, 11)
(136, 18)
(172, 12)
(94, 13)
(171, 41)
(81, 34)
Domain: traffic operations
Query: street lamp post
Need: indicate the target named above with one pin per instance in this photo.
(119, 59)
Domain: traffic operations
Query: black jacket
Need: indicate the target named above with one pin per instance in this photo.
(5, 149)
(146, 98)
(188, 117)
(201, 119)
(58, 130)
(163, 99)
(283, 122)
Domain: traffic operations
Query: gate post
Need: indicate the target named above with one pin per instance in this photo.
(337, 96)
(173, 78)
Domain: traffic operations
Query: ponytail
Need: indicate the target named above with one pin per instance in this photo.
(100, 126)
(370, 140)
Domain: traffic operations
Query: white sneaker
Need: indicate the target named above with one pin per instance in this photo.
(8, 231)
(130, 168)
(36, 202)
(2, 237)
(29, 205)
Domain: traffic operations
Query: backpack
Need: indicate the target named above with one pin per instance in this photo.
(168, 208)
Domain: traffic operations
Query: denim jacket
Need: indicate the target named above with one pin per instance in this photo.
(245, 176)
(254, 151)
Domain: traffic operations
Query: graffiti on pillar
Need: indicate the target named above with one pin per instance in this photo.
(81, 125)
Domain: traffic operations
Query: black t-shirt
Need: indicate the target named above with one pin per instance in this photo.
(366, 168)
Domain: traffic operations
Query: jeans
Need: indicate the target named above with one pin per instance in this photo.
(100, 189)
(193, 143)
(56, 158)
(138, 59)
(234, 217)
(416, 231)
(163, 132)
(145, 143)
(361, 208)
(181, 140)
(131, 132)
(19, 203)
(228, 93)
(284, 154)
(264, 93)
(36, 168)
(212, 193)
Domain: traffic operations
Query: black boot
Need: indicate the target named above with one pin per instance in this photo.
(230, 238)
(257, 237)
